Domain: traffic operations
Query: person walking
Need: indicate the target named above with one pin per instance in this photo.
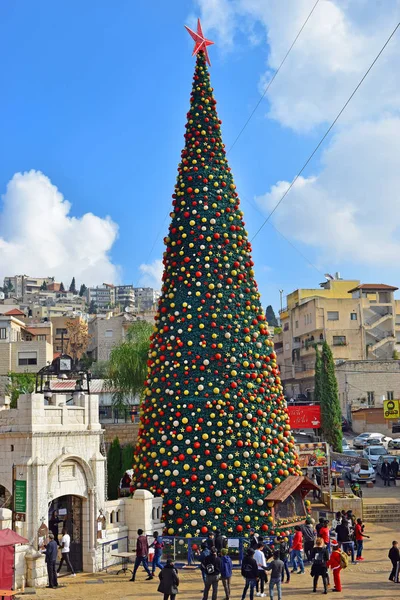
(394, 556)
(319, 525)
(169, 580)
(65, 550)
(142, 551)
(158, 546)
(226, 572)
(205, 551)
(212, 567)
(394, 466)
(259, 557)
(284, 553)
(324, 533)
(359, 537)
(308, 532)
(51, 559)
(320, 557)
(276, 567)
(297, 549)
(386, 472)
(334, 563)
(344, 538)
(249, 571)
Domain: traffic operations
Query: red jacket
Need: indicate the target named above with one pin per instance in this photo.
(358, 532)
(297, 541)
(334, 561)
(142, 548)
(324, 534)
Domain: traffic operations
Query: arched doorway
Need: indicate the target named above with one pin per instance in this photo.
(68, 513)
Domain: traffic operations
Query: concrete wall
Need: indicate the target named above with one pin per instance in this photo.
(371, 420)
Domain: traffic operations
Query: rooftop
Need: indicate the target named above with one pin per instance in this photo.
(374, 287)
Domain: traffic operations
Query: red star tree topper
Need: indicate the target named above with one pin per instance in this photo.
(214, 437)
(201, 42)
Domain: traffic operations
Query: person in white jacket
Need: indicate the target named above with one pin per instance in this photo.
(259, 557)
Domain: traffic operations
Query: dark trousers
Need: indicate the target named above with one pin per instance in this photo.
(65, 558)
(324, 580)
(394, 575)
(286, 570)
(226, 582)
(171, 596)
(346, 546)
(211, 581)
(51, 573)
(262, 578)
(386, 481)
(308, 546)
(250, 583)
(141, 560)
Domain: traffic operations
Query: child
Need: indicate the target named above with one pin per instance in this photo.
(169, 580)
(394, 555)
(226, 572)
(334, 564)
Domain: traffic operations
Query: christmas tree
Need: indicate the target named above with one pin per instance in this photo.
(214, 436)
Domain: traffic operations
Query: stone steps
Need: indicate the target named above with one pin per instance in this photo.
(381, 513)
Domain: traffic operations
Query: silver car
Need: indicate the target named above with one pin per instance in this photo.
(364, 439)
(361, 474)
(394, 444)
(373, 453)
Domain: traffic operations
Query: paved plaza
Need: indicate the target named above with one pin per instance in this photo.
(364, 581)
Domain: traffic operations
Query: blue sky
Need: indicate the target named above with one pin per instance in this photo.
(94, 101)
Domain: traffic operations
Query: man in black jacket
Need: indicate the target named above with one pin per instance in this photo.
(386, 472)
(51, 558)
(394, 556)
(250, 573)
(394, 466)
(212, 568)
(344, 538)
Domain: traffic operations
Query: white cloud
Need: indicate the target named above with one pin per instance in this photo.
(151, 274)
(38, 236)
(351, 209)
(334, 50)
(348, 209)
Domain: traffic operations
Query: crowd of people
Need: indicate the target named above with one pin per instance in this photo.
(326, 547)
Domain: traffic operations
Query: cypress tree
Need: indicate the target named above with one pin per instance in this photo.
(72, 287)
(271, 317)
(331, 414)
(114, 466)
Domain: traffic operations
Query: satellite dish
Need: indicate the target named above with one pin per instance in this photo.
(329, 276)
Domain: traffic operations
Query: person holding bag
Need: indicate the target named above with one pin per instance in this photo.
(169, 580)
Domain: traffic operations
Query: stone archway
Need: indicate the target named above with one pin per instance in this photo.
(71, 476)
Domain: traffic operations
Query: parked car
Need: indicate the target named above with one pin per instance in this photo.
(373, 453)
(362, 474)
(394, 444)
(362, 440)
(390, 458)
(351, 452)
(345, 445)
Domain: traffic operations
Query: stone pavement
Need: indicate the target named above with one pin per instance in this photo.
(365, 581)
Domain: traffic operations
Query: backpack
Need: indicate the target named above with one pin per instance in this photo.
(344, 560)
(210, 569)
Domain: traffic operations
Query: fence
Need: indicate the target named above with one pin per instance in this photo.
(107, 548)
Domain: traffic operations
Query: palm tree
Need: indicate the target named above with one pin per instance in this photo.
(127, 369)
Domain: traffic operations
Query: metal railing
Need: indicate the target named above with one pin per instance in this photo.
(108, 553)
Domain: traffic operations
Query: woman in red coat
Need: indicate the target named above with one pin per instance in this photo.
(334, 564)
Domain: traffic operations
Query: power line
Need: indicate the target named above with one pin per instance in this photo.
(273, 77)
(255, 108)
(327, 131)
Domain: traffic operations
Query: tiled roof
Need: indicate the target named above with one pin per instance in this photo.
(15, 312)
(287, 487)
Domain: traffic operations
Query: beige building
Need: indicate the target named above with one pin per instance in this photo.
(359, 322)
(21, 349)
(22, 286)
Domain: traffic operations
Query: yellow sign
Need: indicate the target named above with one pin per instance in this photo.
(391, 409)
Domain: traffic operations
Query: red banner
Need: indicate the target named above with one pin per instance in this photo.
(305, 417)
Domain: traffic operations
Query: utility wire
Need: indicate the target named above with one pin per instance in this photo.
(327, 131)
(273, 77)
(254, 109)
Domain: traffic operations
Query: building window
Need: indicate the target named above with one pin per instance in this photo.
(41, 338)
(108, 333)
(61, 330)
(353, 316)
(339, 340)
(390, 395)
(3, 333)
(371, 398)
(333, 315)
(296, 324)
(27, 358)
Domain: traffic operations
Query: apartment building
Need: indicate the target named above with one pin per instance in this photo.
(22, 349)
(146, 297)
(357, 320)
(124, 295)
(105, 332)
(22, 286)
(103, 296)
